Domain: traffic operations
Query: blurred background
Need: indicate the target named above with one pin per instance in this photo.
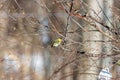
(59, 39)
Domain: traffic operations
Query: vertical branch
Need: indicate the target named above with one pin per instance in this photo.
(44, 34)
(3, 32)
(26, 47)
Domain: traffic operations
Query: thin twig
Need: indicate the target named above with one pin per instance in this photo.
(17, 4)
(60, 68)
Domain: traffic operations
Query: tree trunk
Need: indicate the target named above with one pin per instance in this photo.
(107, 46)
(92, 46)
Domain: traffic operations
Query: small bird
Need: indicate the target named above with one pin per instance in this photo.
(57, 42)
(118, 62)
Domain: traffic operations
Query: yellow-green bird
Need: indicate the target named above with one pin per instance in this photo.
(57, 42)
(118, 62)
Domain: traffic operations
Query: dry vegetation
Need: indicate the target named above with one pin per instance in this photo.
(28, 29)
